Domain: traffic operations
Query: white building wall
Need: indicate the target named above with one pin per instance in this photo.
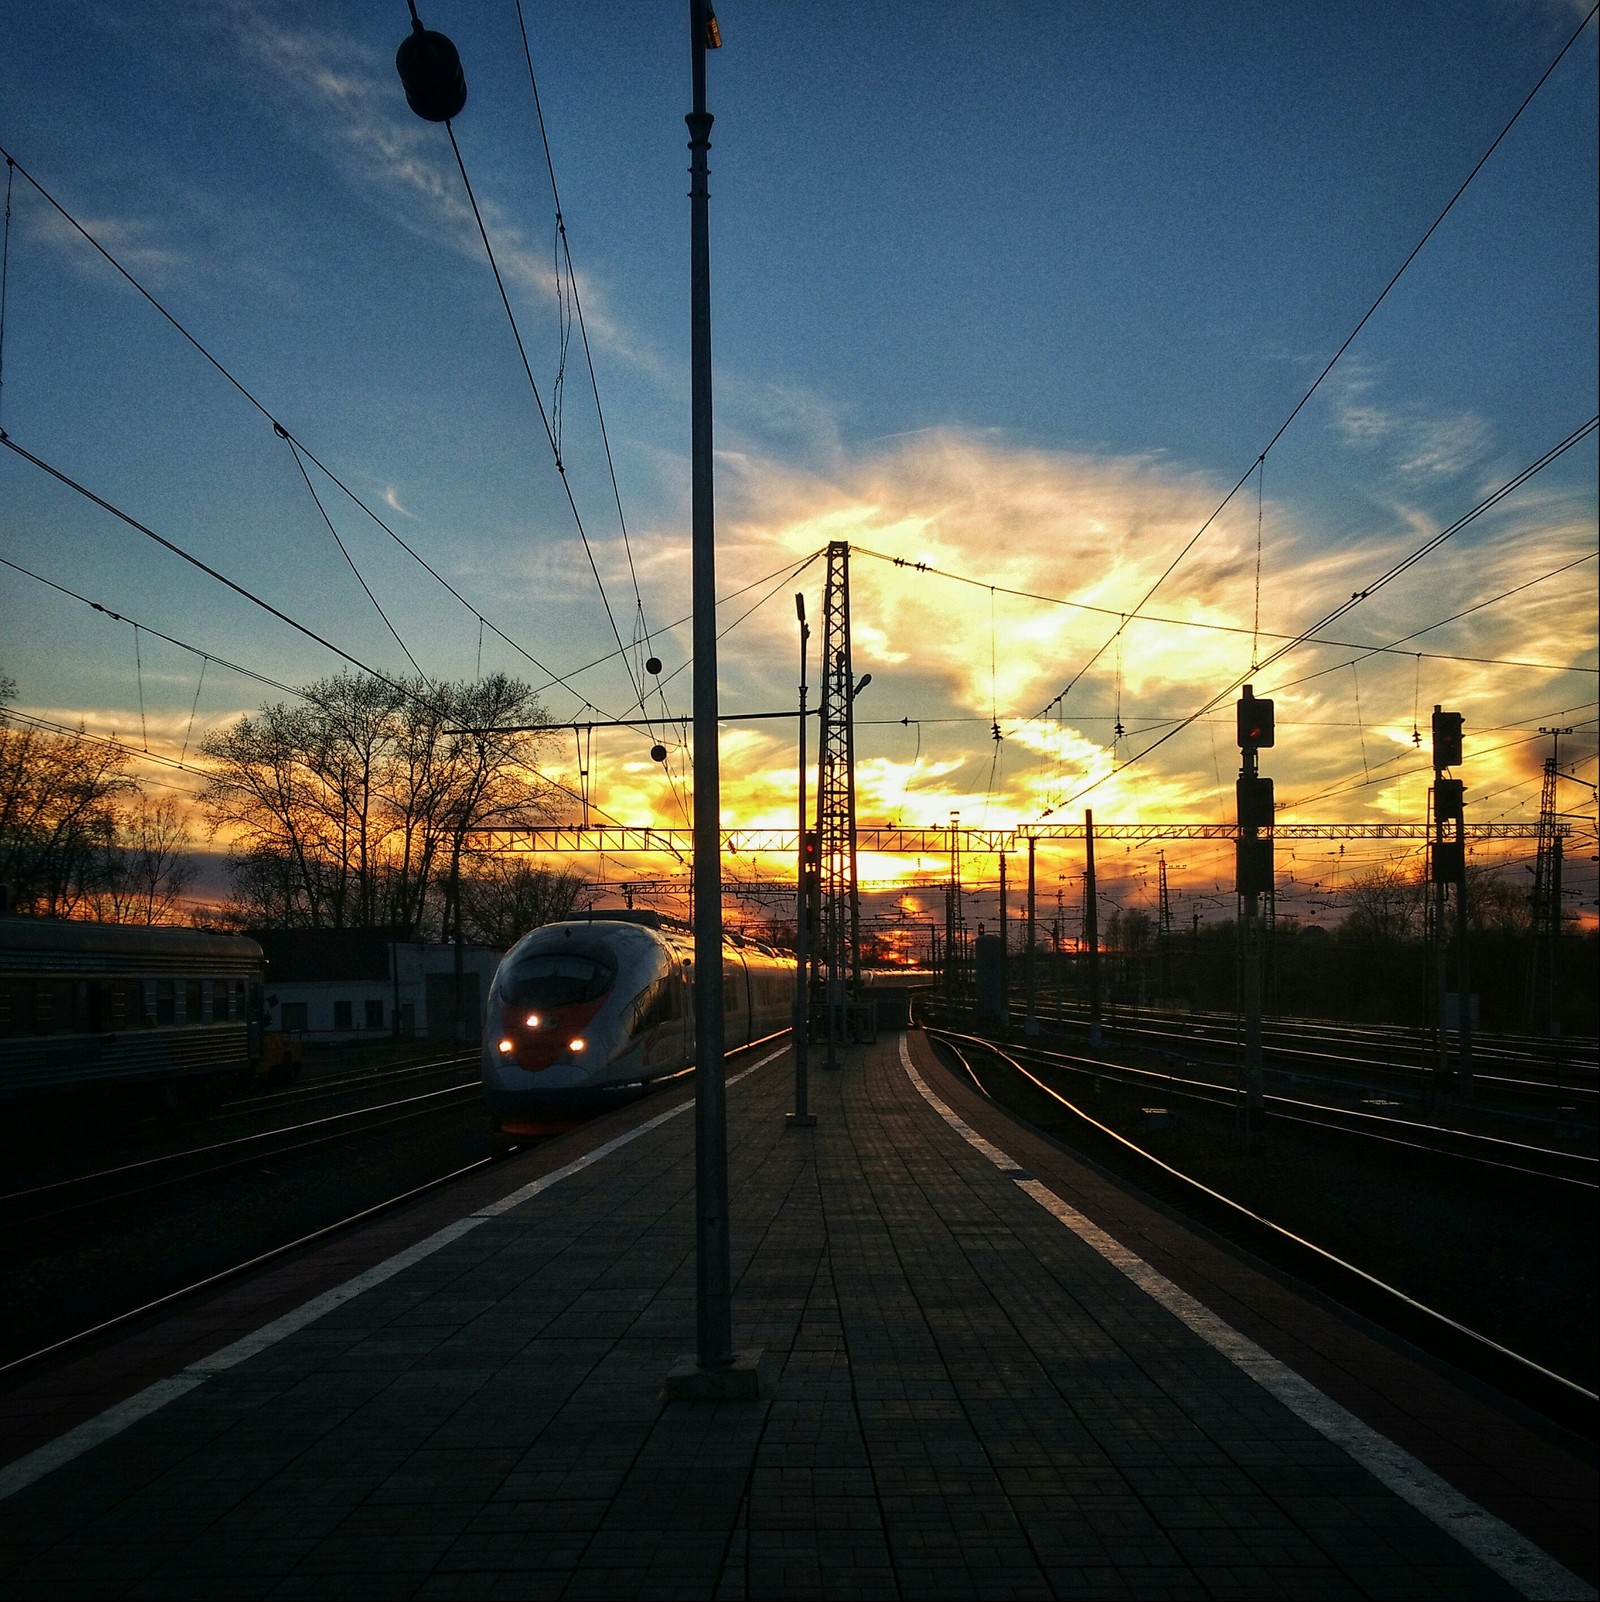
(321, 1000)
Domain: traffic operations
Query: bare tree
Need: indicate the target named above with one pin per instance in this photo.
(145, 870)
(502, 898)
(1385, 906)
(58, 795)
(351, 810)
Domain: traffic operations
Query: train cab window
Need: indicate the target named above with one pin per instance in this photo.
(166, 1001)
(556, 979)
(193, 1002)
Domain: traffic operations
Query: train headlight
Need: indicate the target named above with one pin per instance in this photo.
(577, 1043)
(533, 1020)
(507, 1045)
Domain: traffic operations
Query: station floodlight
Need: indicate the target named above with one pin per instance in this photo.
(430, 72)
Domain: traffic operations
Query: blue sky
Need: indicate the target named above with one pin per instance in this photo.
(1021, 291)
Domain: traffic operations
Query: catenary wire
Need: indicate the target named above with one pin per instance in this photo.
(1484, 505)
(1235, 628)
(344, 552)
(1366, 317)
(254, 599)
(260, 406)
(544, 417)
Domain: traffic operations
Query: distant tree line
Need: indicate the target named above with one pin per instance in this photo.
(1374, 967)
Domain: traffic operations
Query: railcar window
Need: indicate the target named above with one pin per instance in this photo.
(550, 980)
(219, 1000)
(61, 1008)
(21, 1007)
(193, 1001)
(656, 1005)
(166, 1001)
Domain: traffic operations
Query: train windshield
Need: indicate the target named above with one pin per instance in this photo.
(549, 980)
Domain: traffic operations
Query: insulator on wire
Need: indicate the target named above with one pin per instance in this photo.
(430, 70)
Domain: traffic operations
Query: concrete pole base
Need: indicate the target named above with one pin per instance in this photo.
(688, 1382)
(796, 1120)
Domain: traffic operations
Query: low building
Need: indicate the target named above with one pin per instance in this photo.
(333, 986)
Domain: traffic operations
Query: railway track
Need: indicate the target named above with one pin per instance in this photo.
(1556, 1164)
(90, 1254)
(1410, 1231)
(58, 1198)
(1564, 1113)
(1522, 1067)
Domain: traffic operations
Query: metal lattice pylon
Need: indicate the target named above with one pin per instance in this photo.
(836, 785)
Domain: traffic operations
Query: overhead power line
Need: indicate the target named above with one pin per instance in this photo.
(311, 456)
(251, 596)
(183, 645)
(1492, 499)
(1333, 361)
(1265, 634)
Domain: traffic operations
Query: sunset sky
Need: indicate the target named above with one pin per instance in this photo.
(1019, 292)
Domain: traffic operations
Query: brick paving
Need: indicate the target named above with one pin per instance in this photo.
(961, 1399)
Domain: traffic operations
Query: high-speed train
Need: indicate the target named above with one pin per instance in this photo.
(594, 1008)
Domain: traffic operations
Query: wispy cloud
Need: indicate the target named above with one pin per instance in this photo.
(350, 107)
(1415, 441)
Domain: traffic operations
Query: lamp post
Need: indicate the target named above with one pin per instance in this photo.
(713, 1371)
(802, 1117)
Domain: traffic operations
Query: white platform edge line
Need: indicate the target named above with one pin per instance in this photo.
(1511, 1555)
(33, 1466)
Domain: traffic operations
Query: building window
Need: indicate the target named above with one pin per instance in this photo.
(375, 1015)
(343, 1015)
(294, 1015)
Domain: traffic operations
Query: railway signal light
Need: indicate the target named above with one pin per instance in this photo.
(1449, 800)
(1253, 866)
(1255, 722)
(1447, 739)
(1254, 795)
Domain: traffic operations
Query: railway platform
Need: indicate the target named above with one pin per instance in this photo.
(988, 1371)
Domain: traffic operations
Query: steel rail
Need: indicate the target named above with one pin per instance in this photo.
(14, 1202)
(1558, 1396)
(105, 1326)
(1491, 1151)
